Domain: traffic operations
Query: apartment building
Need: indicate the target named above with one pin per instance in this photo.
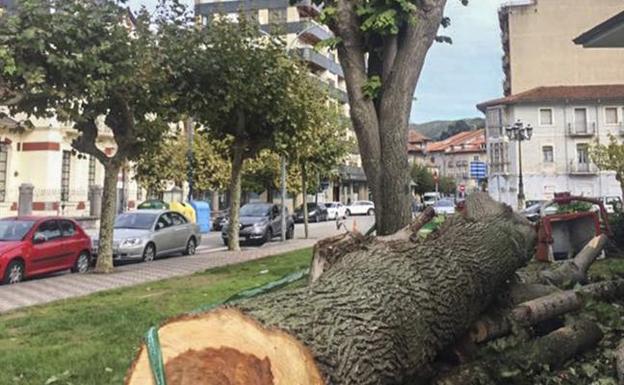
(417, 147)
(538, 48)
(453, 156)
(302, 34)
(565, 121)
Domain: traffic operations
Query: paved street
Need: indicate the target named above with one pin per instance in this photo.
(211, 254)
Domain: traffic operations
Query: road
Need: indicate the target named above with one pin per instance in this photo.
(212, 241)
(210, 254)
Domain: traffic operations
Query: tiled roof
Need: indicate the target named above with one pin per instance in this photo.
(560, 94)
(472, 141)
(416, 141)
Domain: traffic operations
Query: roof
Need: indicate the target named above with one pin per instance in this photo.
(416, 141)
(471, 141)
(350, 173)
(607, 34)
(560, 94)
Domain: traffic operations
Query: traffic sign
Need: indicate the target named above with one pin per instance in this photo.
(478, 170)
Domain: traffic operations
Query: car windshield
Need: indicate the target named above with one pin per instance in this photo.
(140, 221)
(331, 205)
(14, 229)
(444, 203)
(254, 210)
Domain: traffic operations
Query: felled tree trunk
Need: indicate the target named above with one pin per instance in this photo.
(380, 315)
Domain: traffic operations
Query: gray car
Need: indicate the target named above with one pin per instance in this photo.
(260, 222)
(147, 234)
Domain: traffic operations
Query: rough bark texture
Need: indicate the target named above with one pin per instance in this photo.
(235, 197)
(380, 122)
(552, 350)
(619, 362)
(380, 315)
(104, 262)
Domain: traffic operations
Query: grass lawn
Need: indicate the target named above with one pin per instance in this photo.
(92, 340)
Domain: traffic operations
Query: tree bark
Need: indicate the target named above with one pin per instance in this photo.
(235, 196)
(304, 188)
(619, 362)
(104, 262)
(381, 314)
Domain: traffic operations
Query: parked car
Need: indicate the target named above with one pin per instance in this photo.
(317, 212)
(336, 210)
(429, 198)
(260, 222)
(444, 207)
(612, 203)
(361, 208)
(219, 219)
(148, 234)
(32, 246)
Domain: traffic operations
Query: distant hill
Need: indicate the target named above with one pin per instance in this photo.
(436, 130)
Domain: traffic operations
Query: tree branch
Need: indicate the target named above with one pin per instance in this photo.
(86, 141)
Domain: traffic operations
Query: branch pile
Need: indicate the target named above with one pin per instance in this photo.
(456, 307)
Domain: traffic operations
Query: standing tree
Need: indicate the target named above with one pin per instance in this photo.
(238, 84)
(319, 144)
(382, 46)
(610, 157)
(423, 178)
(92, 64)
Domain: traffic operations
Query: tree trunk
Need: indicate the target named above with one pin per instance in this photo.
(380, 315)
(619, 362)
(104, 262)
(304, 188)
(214, 197)
(235, 196)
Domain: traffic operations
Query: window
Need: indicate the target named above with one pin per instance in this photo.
(546, 117)
(3, 171)
(251, 15)
(582, 153)
(68, 228)
(65, 170)
(611, 115)
(278, 16)
(580, 120)
(49, 229)
(177, 219)
(494, 118)
(164, 221)
(548, 153)
(91, 170)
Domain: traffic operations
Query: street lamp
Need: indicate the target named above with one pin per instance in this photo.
(519, 132)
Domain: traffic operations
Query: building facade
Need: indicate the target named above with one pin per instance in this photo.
(566, 121)
(417, 147)
(538, 48)
(302, 34)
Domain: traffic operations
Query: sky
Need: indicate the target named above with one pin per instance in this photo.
(456, 76)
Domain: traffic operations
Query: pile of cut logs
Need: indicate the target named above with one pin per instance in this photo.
(399, 310)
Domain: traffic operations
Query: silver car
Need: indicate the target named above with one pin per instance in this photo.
(147, 234)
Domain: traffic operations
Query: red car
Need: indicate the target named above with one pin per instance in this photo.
(37, 245)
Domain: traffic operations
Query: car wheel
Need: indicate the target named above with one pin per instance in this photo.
(149, 253)
(82, 263)
(290, 233)
(268, 235)
(14, 273)
(347, 213)
(370, 212)
(191, 247)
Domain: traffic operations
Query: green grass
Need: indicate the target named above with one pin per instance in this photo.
(92, 340)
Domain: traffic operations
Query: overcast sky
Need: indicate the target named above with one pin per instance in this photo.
(455, 77)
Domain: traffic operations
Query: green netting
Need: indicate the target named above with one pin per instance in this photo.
(153, 344)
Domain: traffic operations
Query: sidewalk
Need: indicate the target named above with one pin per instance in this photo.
(48, 289)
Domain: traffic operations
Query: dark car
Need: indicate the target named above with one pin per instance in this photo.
(219, 219)
(260, 222)
(317, 212)
(32, 246)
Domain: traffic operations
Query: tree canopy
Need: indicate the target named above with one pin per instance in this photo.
(610, 157)
(423, 179)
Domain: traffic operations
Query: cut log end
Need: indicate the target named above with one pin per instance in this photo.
(227, 347)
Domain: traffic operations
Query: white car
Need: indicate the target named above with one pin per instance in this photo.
(335, 210)
(430, 198)
(444, 207)
(612, 203)
(361, 208)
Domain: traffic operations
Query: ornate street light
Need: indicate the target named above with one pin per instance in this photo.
(519, 132)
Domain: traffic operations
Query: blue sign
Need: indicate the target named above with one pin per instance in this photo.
(478, 170)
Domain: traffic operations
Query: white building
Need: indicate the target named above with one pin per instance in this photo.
(566, 120)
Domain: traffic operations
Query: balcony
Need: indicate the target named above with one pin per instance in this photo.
(307, 8)
(334, 92)
(575, 168)
(320, 61)
(581, 130)
(312, 31)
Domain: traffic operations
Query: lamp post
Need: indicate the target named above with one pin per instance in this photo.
(519, 132)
